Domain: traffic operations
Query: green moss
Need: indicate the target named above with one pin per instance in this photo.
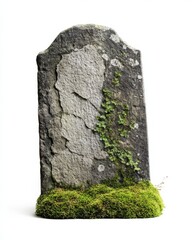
(116, 79)
(123, 132)
(113, 127)
(134, 200)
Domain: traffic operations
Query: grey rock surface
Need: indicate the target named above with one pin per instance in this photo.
(72, 73)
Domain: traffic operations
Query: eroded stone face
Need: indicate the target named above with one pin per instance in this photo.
(80, 77)
(80, 81)
(72, 73)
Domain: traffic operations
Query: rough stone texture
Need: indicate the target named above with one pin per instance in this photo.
(71, 75)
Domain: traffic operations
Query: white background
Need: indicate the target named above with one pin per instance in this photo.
(162, 30)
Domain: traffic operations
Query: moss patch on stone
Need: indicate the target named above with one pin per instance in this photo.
(136, 200)
(113, 127)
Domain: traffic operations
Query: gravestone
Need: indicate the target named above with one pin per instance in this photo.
(92, 121)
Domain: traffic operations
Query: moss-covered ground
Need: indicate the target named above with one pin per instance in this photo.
(134, 200)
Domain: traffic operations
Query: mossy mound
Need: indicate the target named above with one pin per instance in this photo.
(138, 200)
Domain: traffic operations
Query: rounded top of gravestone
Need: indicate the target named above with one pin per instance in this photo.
(79, 35)
(91, 26)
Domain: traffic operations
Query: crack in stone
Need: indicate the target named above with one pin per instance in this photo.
(72, 114)
(86, 99)
(80, 96)
(57, 90)
(72, 152)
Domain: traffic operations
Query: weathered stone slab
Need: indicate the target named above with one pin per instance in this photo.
(92, 120)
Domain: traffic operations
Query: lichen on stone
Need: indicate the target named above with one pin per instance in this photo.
(116, 63)
(115, 38)
(133, 63)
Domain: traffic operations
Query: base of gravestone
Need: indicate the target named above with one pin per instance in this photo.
(132, 200)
